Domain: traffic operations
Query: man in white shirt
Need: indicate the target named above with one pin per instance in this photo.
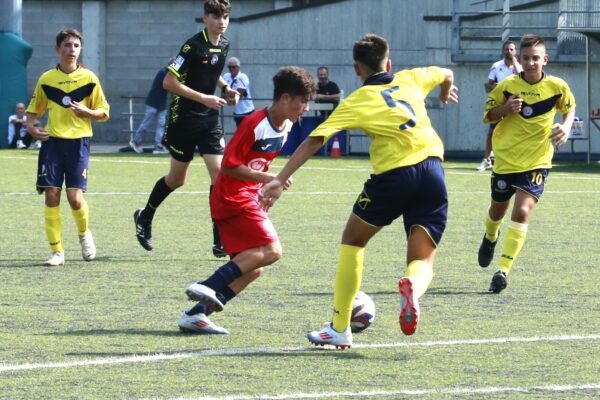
(499, 70)
(239, 81)
(17, 130)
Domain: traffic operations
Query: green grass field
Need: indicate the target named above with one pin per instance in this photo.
(108, 329)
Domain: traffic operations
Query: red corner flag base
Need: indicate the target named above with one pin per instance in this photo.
(335, 149)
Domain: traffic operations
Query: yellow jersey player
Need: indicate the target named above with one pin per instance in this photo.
(73, 97)
(406, 154)
(524, 107)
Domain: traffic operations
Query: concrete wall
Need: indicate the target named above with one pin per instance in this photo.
(140, 36)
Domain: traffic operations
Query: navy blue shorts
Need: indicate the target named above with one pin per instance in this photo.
(418, 193)
(63, 161)
(183, 136)
(532, 182)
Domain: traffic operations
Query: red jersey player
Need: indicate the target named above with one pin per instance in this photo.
(247, 234)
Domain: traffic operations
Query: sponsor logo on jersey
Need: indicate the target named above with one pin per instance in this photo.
(176, 64)
(186, 48)
(258, 164)
(214, 50)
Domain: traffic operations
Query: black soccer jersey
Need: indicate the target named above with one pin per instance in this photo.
(198, 66)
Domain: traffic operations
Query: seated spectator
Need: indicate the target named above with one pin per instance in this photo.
(17, 130)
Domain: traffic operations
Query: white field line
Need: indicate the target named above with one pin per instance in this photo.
(414, 392)
(449, 170)
(134, 358)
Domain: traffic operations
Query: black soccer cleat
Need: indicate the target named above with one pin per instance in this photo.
(143, 230)
(218, 251)
(499, 282)
(486, 252)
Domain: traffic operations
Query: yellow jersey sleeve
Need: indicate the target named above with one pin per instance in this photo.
(390, 109)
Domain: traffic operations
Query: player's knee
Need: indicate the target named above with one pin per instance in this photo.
(273, 254)
(521, 214)
(255, 274)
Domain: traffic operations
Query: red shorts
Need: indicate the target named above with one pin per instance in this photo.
(249, 229)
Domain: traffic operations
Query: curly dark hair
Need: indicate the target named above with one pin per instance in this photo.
(295, 81)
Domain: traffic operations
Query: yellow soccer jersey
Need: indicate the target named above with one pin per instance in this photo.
(55, 90)
(521, 142)
(390, 109)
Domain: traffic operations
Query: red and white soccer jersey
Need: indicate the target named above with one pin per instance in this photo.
(234, 202)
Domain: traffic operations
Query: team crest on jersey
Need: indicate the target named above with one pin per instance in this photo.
(501, 184)
(66, 100)
(258, 164)
(527, 111)
(214, 59)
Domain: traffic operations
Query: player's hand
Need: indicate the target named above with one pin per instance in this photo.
(268, 194)
(214, 102)
(232, 97)
(80, 110)
(451, 95)
(38, 133)
(288, 183)
(513, 104)
(559, 135)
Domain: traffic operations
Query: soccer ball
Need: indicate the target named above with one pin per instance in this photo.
(363, 312)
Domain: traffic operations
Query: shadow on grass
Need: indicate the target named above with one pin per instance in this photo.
(110, 332)
(450, 292)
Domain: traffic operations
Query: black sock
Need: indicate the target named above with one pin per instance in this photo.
(160, 192)
(216, 237)
(223, 277)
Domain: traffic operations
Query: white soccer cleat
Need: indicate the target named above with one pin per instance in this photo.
(485, 165)
(37, 144)
(21, 145)
(57, 258)
(328, 335)
(205, 295)
(199, 323)
(88, 247)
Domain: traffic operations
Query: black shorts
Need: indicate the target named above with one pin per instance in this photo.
(532, 182)
(417, 192)
(188, 132)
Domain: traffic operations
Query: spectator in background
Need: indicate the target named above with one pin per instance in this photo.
(156, 108)
(327, 91)
(239, 81)
(499, 71)
(17, 130)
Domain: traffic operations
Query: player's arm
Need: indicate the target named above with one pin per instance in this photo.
(490, 85)
(34, 129)
(172, 84)
(497, 110)
(272, 191)
(560, 132)
(448, 92)
(230, 95)
(243, 173)
(82, 111)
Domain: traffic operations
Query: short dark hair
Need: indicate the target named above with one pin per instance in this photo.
(506, 43)
(217, 7)
(294, 81)
(323, 67)
(68, 32)
(371, 51)
(532, 41)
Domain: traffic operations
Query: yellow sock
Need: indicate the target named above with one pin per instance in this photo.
(420, 274)
(81, 217)
(491, 227)
(347, 282)
(53, 227)
(513, 243)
